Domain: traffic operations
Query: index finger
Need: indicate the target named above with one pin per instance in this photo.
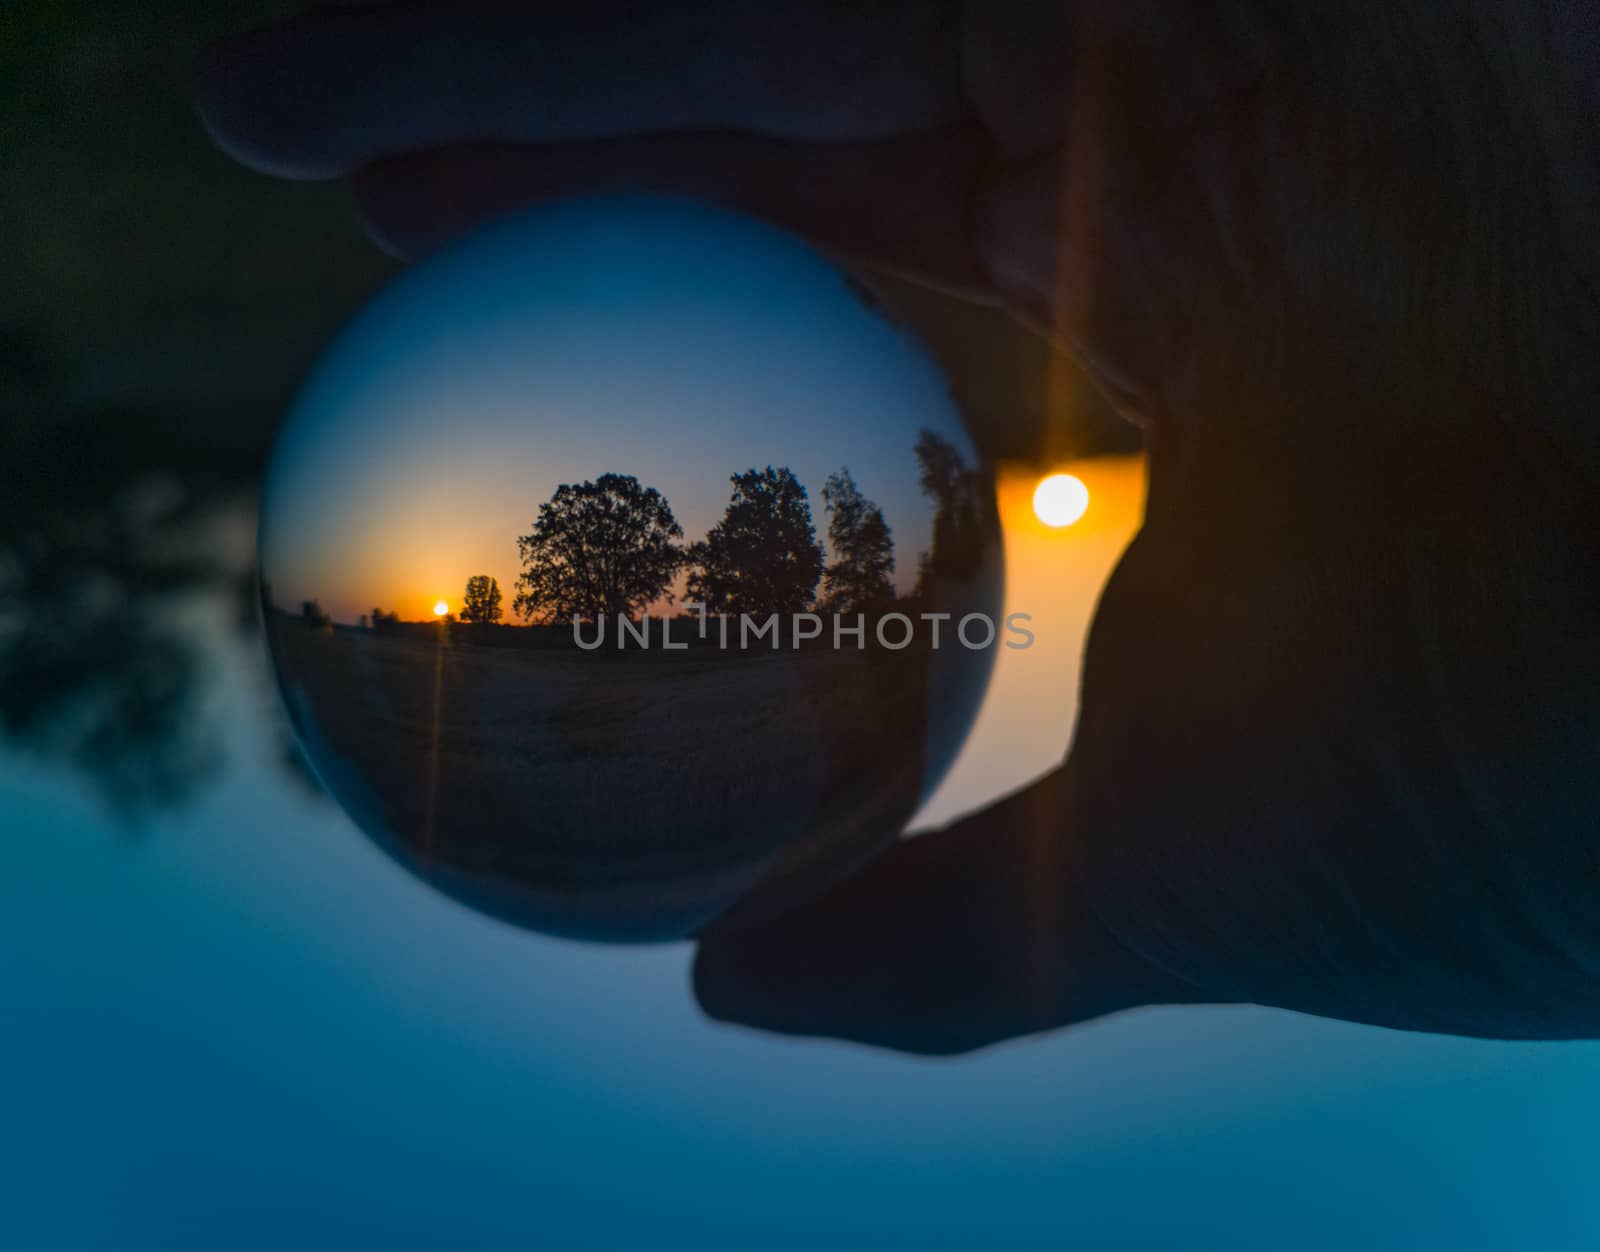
(332, 89)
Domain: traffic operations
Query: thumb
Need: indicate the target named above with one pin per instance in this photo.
(948, 942)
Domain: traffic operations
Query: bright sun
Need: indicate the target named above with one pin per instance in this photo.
(1060, 500)
(440, 609)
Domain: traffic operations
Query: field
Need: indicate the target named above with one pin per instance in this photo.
(614, 793)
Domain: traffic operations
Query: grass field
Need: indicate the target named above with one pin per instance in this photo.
(623, 794)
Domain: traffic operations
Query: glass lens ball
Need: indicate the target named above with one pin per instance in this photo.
(625, 566)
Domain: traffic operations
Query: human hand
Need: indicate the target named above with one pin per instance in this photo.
(1341, 703)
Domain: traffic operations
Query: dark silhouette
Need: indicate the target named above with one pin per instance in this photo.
(1339, 705)
(598, 548)
(965, 518)
(312, 615)
(763, 556)
(384, 623)
(480, 604)
(858, 579)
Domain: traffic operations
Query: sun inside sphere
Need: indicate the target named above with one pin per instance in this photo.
(1060, 500)
(715, 518)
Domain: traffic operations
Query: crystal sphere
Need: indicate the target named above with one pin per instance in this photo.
(626, 566)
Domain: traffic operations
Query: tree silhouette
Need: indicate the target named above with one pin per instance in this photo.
(601, 547)
(763, 556)
(480, 604)
(964, 513)
(858, 579)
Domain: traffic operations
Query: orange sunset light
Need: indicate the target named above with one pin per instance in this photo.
(1054, 574)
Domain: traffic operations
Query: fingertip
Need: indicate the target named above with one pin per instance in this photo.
(785, 981)
(844, 965)
(715, 980)
(259, 114)
(753, 976)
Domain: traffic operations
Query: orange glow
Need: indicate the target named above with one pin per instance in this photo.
(1055, 575)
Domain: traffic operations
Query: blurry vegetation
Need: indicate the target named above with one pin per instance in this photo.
(100, 541)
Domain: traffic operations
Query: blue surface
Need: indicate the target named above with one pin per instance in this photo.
(246, 1029)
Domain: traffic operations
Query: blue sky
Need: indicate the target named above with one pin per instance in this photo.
(657, 339)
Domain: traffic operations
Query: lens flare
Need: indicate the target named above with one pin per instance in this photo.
(1060, 499)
